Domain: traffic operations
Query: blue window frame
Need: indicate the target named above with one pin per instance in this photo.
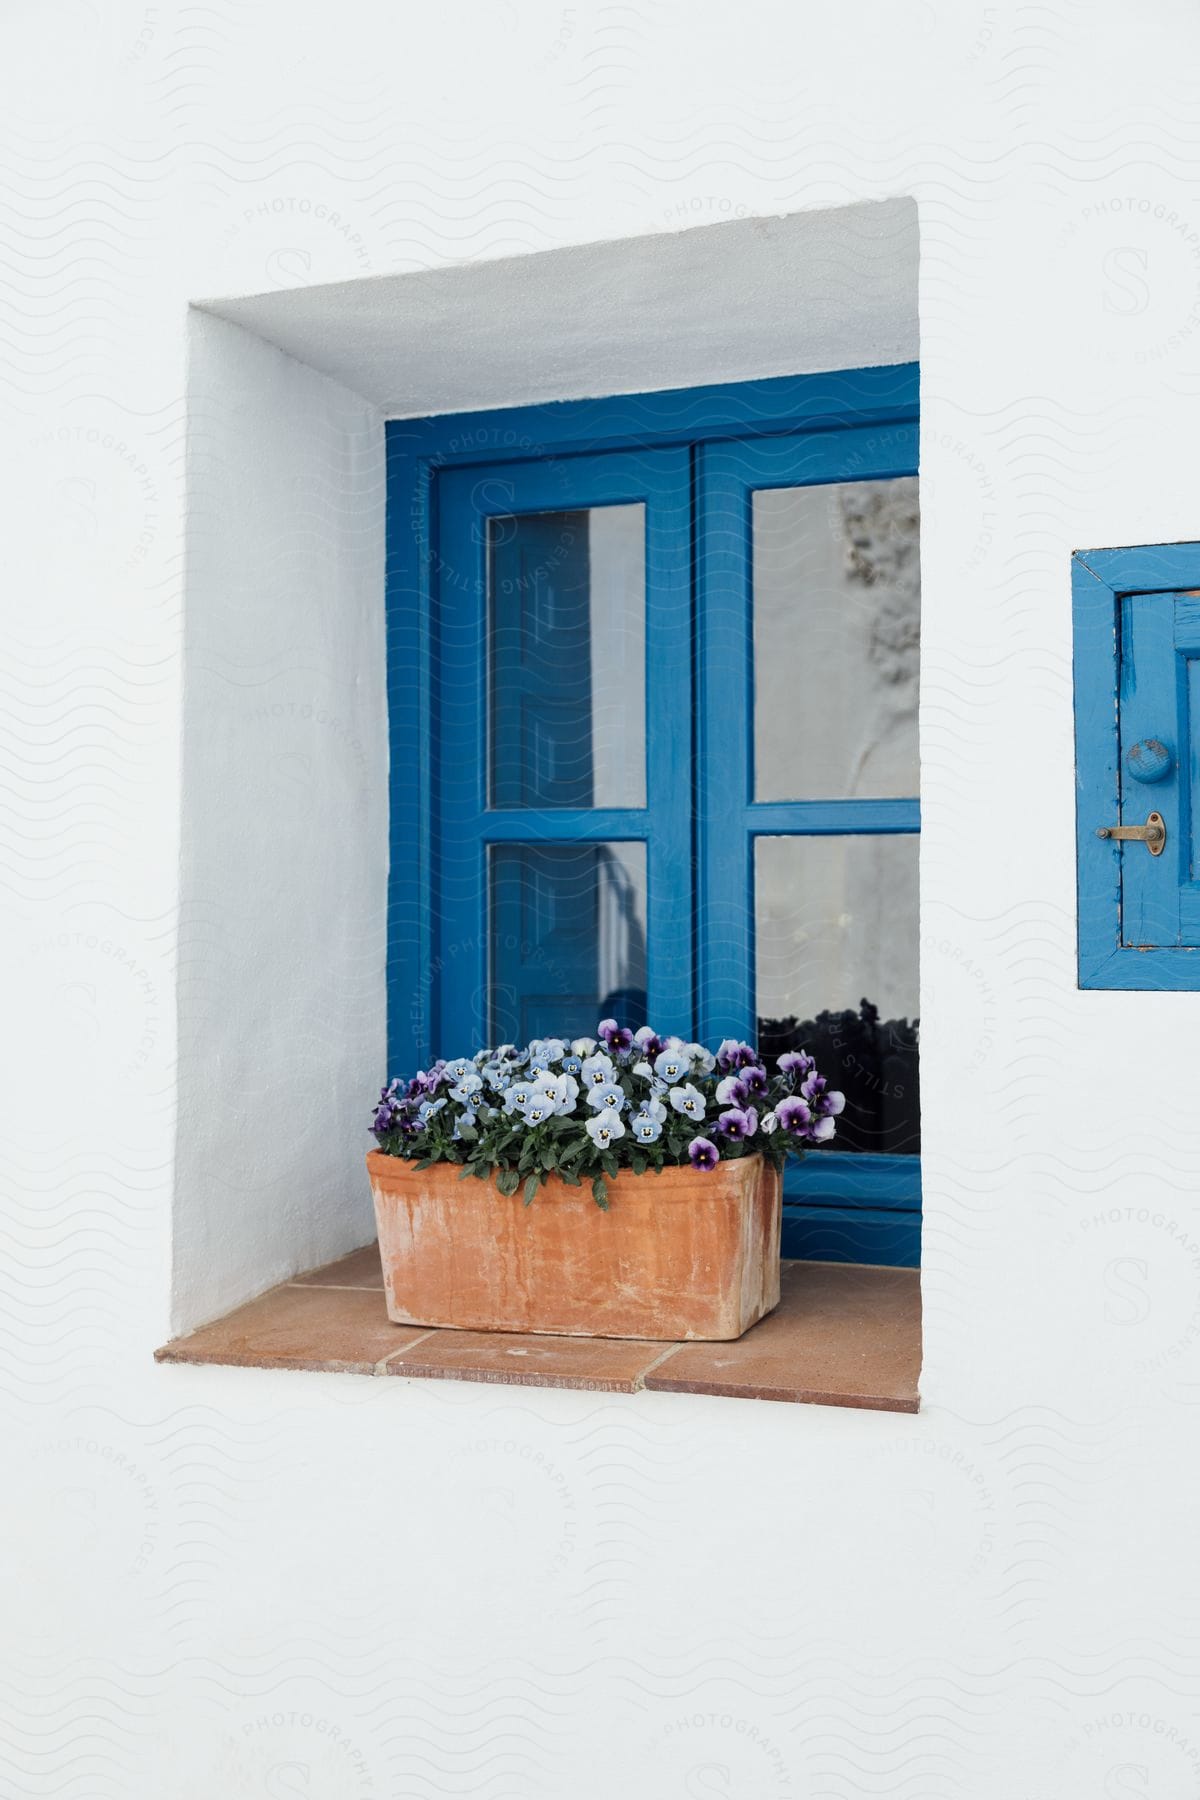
(1137, 725)
(496, 822)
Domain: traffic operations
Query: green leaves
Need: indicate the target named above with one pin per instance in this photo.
(508, 1181)
(600, 1192)
(532, 1184)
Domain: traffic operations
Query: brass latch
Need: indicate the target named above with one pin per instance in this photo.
(1153, 833)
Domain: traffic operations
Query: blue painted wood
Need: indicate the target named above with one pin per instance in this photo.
(853, 1235)
(826, 818)
(1149, 761)
(860, 1179)
(1145, 568)
(1137, 641)
(411, 957)
(724, 734)
(1097, 762)
(1151, 700)
(595, 825)
(787, 403)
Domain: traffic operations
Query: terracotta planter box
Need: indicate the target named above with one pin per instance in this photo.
(682, 1254)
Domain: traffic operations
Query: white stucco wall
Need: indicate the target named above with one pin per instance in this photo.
(284, 821)
(244, 1584)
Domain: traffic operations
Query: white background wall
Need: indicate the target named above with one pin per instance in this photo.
(239, 1584)
(281, 1028)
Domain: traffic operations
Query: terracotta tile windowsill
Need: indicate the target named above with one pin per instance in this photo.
(842, 1335)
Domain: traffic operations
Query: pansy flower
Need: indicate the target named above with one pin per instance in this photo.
(794, 1115)
(598, 1070)
(616, 1037)
(648, 1042)
(755, 1078)
(703, 1154)
(563, 1091)
(687, 1100)
(738, 1123)
(605, 1128)
(670, 1066)
(826, 1103)
(796, 1063)
(609, 1097)
(645, 1129)
(732, 1091)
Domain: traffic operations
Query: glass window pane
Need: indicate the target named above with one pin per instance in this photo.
(567, 658)
(836, 921)
(837, 613)
(568, 938)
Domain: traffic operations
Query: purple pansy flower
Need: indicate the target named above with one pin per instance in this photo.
(794, 1115)
(648, 1042)
(616, 1037)
(703, 1154)
(732, 1091)
(755, 1078)
(826, 1102)
(738, 1122)
(796, 1063)
(734, 1055)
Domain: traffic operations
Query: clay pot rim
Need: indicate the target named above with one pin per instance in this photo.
(379, 1162)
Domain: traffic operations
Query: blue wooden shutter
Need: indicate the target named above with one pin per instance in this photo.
(1137, 706)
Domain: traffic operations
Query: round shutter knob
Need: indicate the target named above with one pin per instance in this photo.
(1148, 760)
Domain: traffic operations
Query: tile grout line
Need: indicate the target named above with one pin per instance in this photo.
(381, 1366)
(640, 1382)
